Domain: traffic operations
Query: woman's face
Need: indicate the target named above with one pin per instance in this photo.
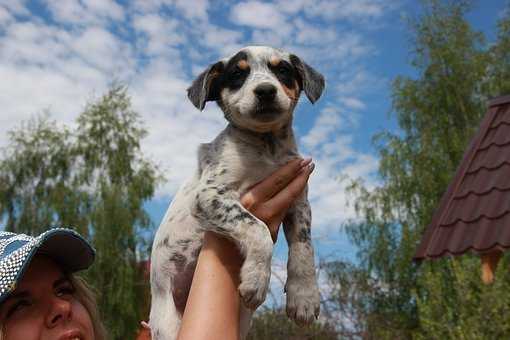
(43, 307)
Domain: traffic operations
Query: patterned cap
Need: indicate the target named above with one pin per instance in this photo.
(65, 246)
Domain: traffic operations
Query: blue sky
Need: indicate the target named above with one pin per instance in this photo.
(58, 55)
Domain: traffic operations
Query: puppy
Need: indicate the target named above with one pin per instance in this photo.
(257, 90)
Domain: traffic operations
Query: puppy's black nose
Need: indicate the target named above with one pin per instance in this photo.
(265, 92)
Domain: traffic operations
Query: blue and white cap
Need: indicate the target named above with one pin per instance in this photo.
(65, 246)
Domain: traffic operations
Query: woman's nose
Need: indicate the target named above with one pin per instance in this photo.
(59, 311)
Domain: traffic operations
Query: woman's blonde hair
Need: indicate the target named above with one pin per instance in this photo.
(85, 295)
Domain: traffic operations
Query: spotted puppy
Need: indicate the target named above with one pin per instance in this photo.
(257, 89)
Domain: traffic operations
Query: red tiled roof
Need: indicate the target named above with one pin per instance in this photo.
(474, 213)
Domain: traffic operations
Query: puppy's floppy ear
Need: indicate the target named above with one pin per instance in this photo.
(205, 87)
(312, 81)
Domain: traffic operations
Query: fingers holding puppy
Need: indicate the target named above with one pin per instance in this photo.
(286, 196)
(274, 183)
(270, 199)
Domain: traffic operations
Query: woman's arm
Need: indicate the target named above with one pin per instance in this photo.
(212, 309)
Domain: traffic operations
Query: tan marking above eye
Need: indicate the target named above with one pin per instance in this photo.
(274, 60)
(243, 64)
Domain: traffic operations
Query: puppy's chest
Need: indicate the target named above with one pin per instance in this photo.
(240, 165)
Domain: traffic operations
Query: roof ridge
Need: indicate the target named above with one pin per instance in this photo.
(505, 162)
(501, 100)
(478, 218)
(483, 193)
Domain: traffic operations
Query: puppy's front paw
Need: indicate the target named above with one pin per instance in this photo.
(303, 301)
(254, 284)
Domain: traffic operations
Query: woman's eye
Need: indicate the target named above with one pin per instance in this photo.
(65, 290)
(17, 306)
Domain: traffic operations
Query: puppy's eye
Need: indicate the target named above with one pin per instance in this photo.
(237, 72)
(283, 70)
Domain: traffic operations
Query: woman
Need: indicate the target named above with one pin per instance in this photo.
(41, 299)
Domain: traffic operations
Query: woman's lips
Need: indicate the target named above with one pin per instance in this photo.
(73, 334)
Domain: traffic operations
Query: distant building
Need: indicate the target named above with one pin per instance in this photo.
(474, 213)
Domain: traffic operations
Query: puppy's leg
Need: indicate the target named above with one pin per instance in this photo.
(244, 322)
(220, 211)
(164, 320)
(303, 300)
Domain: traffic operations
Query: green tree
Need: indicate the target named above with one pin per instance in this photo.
(438, 113)
(347, 305)
(500, 53)
(94, 179)
(36, 180)
(269, 324)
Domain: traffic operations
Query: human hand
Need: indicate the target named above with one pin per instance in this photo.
(269, 199)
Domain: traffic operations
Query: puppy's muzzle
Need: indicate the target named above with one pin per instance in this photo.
(265, 92)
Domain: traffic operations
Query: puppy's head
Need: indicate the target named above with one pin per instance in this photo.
(257, 88)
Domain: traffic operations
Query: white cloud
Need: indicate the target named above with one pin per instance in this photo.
(368, 8)
(352, 103)
(5, 16)
(329, 142)
(352, 10)
(327, 122)
(258, 15)
(104, 51)
(351, 46)
(109, 8)
(347, 9)
(267, 37)
(57, 69)
(30, 42)
(225, 41)
(17, 7)
(327, 193)
(159, 35)
(66, 11)
(193, 9)
(196, 9)
(145, 6)
(312, 35)
(83, 12)
(356, 79)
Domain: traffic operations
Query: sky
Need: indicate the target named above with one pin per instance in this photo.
(58, 55)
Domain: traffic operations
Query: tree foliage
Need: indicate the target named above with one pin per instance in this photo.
(94, 179)
(499, 71)
(274, 324)
(437, 112)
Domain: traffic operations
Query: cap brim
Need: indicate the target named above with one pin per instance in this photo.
(67, 248)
